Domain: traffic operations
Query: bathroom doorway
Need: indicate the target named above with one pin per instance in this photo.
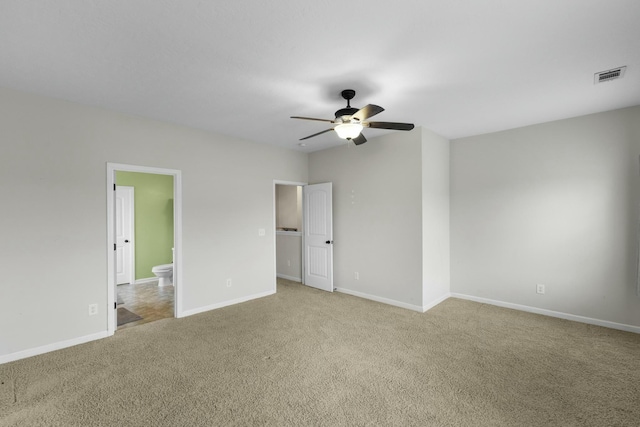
(151, 294)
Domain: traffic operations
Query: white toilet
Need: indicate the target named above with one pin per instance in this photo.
(164, 272)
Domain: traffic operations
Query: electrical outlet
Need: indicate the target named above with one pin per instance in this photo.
(93, 309)
(289, 263)
(357, 275)
(261, 232)
(540, 289)
(228, 283)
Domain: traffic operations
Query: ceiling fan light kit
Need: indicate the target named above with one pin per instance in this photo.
(350, 121)
(348, 130)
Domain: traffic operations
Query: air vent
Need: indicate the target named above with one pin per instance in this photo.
(607, 76)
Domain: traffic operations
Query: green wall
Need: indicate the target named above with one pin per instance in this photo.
(153, 195)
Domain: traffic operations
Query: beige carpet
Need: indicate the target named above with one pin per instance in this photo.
(305, 357)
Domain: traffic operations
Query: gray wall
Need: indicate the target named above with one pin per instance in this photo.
(377, 215)
(556, 204)
(435, 218)
(53, 169)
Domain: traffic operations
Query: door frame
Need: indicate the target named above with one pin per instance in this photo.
(275, 263)
(177, 236)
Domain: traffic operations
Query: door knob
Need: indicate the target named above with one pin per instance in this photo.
(329, 242)
(126, 241)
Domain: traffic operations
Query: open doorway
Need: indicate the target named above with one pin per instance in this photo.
(288, 218)
(147, 294)
(303, 217)
(152, 290)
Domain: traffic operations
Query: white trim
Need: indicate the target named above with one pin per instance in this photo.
(177, 235)
(280, 182)
(380, 299)
(52, 347)
(146, 280)
(111, 240)
(199, 310)
(295, 279)
(430, 305)
(551, 313)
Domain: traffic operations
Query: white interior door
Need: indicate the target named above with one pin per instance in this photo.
(124, 234)
(318, 233)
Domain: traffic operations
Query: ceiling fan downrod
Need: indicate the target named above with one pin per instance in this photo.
(348, 94)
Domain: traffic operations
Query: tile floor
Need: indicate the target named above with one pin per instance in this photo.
(147, 300)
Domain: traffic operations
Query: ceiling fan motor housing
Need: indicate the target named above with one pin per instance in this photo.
(348, 111)
(347, 94)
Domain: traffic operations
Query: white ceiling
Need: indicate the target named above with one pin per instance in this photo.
(241, 68)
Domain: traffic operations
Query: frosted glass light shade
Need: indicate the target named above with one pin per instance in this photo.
(348, 130)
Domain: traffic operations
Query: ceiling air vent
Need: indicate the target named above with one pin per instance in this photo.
(606, 76)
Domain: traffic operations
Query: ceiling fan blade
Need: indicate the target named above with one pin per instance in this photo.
(312, 118)
(316, 134)
(367, 111)
(389, 125)
(360, 139)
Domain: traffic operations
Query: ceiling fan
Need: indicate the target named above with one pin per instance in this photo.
(350, 121)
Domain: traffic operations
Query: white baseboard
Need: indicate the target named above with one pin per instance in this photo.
(198, 310)
(380, 299)
(428, 306)
(147, 280)
(51, 347)
(558, 314)
(81, 340)
(293, 279)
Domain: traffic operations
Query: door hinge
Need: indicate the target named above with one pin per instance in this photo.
(115, 305)
(114, 247)
(114, 187)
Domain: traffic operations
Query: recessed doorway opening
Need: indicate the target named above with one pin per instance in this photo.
(288, 218)
(133, 291)
(304, 234)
